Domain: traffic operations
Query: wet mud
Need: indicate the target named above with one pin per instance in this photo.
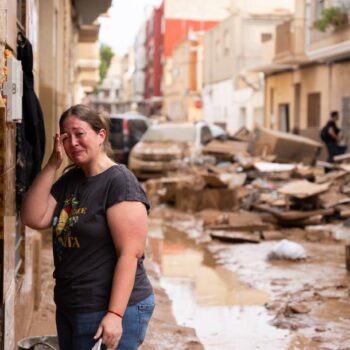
(223, 296)
(235, 298)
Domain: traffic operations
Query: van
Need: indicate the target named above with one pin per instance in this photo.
(126, 130)
(167, 147)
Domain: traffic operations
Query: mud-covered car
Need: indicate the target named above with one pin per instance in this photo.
(126, 130)
(166, 147)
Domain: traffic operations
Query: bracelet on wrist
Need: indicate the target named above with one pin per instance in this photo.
(115, 313)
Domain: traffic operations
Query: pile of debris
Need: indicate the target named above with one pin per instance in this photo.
(260, 183)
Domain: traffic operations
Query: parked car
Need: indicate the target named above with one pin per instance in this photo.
(126, 130)
(166, 147)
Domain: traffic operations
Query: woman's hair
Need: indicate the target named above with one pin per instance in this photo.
(95, 119)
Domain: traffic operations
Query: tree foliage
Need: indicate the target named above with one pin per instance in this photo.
(106, 55)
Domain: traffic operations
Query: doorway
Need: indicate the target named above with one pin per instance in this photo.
(283, 117)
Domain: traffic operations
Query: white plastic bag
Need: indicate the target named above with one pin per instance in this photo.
(97, 346)
(286, 249)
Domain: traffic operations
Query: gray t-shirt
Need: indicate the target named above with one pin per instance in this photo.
(84, 253)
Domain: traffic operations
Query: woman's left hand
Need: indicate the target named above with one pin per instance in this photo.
(111, 330)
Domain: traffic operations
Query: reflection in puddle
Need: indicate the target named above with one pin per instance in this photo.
(226, 313)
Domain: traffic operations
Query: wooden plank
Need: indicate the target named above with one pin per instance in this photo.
(236, 236)
(293, 215)
(303, 189)
(342, 157)
(242, 227)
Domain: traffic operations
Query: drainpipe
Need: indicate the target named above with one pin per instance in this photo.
(330, 85)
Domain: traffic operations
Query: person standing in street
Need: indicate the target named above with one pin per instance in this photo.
(98, 212)
(330, 136)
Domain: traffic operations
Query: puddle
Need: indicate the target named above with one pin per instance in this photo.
(225, 312)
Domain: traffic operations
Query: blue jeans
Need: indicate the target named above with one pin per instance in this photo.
(76, 331)
(332, 151)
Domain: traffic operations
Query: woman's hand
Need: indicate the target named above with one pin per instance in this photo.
(56, 157)
(111, 330)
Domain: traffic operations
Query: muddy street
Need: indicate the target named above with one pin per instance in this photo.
(218, 296)
(235, 298)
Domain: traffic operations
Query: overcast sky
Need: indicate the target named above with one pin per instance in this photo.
(125, 18)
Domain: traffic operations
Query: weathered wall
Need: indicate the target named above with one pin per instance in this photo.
(7, 186)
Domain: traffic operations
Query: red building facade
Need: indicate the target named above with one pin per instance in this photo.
(154, 53)
(162, 34)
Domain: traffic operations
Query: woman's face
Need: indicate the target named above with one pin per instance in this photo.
(81, 143)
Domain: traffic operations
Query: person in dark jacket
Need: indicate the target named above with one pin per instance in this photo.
(330, 135)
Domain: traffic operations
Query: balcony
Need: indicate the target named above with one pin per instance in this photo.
(330, 41)
(88, 62)
(289, 45)
(88, 33)
(88, 11)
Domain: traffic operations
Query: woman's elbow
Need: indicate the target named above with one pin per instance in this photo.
(25, 219)
(28, 220)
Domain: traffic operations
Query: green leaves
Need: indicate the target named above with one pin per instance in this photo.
(332, 16)
(106, 55)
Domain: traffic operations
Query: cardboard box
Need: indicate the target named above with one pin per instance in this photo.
(287, 147)
(225, 149)
(190, 200)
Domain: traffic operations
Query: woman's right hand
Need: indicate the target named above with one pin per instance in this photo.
(56, 157)
(110, 329)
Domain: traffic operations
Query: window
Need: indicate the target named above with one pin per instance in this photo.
(217, 50)
(205, 135)
(21, 14)
(265, 37)
(313, 110)
(137, 128)
(345, 113)
(297, 105)
(226, 42)
(259, 116)
(242, 116)
(283, 115)
(272, 107)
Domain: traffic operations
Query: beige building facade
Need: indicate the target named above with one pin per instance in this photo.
(183, 83)
(309, 74)
(233, 95)
(108, 93)
(56, 30)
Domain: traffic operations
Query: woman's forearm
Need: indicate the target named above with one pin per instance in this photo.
(36, 201)
(123, 282)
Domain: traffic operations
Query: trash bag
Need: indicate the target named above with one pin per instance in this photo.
(98, 344)
(289, 250)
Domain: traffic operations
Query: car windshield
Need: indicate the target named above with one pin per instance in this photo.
(170, 133)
